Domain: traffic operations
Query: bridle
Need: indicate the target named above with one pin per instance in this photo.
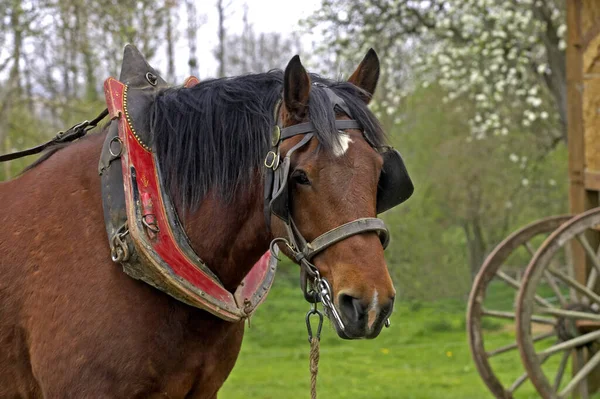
(315, 287)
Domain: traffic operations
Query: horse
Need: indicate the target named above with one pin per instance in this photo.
(73, 325)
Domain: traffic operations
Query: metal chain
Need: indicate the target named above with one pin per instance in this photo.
(119, 249)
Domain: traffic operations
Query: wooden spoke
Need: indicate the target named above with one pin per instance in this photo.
(518, 382)
(571, 343)
(571, 314)
(591, 283)
(510, 347)
(529, 248)
(515, 284)
(555, 288)
(576, 285)
(583, 386)
(582, 373)
(589, 251)
(561, 369)
(523, 377)
(512, 316)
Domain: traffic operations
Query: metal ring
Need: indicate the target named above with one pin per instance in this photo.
(311, 312)
(150, 226)
(151, 78)
(115, 139)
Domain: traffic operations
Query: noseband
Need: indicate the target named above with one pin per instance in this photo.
(315, 287)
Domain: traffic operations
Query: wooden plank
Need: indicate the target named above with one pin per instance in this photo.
(591, 179)
(591, 102)
(586, 326)
(590, 14)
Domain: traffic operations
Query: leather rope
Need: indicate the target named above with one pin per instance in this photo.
(314, 365)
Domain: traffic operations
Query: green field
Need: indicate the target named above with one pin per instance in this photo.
(423, 355)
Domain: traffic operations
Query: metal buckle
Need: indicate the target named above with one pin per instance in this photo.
(272, 160)
(72, 130)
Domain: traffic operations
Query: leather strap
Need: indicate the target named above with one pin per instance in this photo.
(344, 231)
(337, 101)
(308, 127)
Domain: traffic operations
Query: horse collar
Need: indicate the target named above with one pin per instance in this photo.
(145, 234)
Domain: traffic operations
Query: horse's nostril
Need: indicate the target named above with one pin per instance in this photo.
(352, 307)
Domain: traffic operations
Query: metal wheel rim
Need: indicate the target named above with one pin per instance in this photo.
(525, 304)
(478, 293)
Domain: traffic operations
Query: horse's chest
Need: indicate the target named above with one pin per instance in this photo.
(203, 364)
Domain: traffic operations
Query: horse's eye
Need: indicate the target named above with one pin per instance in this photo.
(300, 177)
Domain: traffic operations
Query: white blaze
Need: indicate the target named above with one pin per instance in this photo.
(341, 147)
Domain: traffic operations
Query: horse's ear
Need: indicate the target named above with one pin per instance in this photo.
(367, 74)
(296, 88)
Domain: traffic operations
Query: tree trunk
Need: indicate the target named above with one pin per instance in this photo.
(221, 48)
(170, 44)
(15, 71)
(89, 64)
(475, 245)
(192, 28)
(556, 80)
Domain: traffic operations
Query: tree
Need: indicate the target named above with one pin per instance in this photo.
(469, 195)
(192, 37)
(506, 57)
(220, 51)
(258, 52)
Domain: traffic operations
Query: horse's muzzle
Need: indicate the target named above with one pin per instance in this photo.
(362, 320)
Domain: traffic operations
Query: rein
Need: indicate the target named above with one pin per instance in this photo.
(73, 133)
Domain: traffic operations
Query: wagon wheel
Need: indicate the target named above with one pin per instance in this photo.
(576, 316)
(491, 271)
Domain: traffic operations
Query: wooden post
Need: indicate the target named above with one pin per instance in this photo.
(583, 114)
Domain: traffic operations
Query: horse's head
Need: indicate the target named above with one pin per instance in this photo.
(334, 181)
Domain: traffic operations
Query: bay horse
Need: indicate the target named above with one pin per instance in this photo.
(73, 325)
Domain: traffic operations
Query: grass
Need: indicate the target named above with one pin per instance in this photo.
(424, 355)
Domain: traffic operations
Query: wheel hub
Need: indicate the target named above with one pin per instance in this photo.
(567, 328)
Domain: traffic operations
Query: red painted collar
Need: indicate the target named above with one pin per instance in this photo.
(167, 261)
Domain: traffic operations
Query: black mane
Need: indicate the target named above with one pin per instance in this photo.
(214, 136)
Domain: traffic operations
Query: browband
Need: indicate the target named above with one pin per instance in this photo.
(308, 127)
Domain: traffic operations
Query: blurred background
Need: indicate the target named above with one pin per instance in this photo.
(472, 93)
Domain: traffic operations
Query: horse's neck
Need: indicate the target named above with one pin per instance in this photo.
(230, 238)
